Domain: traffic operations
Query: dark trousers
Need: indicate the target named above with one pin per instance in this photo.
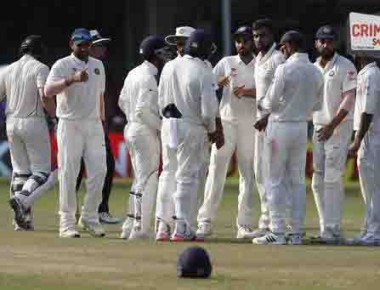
(107, 187)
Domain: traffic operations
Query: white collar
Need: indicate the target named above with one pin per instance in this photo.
(262, 58)
(79, 61)
(151, 67)
(298, 56)
(368, 66)
(330, 63)
(240, 61)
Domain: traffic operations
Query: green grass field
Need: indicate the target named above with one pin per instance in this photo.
(41, 260)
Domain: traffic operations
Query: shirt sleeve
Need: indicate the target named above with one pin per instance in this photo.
(123, 97)
(370, 92)
(103, 78)
(219, 70)
(42, 75)
(2, 83)
(57, 73)
(275, 91)
(349, 78)
(147, 104)
(209, 103)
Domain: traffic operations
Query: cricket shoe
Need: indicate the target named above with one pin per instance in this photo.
(19, 211)
(127, 227)
(107, 218)
(365, 240)
(184, 233)
(245, 232)
(163, 232)
(260, 232)
(137, 233)
(295, 239)
(204, 229)
(93, 227)
(270, 239)
(69, 234)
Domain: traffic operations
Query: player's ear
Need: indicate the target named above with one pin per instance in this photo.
(71, 44)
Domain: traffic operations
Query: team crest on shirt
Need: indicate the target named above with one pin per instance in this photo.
(96, 71)
(331, 73)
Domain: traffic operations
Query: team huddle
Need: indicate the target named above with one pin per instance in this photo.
(267, 97)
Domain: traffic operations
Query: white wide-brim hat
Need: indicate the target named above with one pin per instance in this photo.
(182, 31)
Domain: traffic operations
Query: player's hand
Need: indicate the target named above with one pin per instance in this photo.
(239, 91)
(353, 148)
(80, 76)
(261, 124)
(325, 133)
(223, 81)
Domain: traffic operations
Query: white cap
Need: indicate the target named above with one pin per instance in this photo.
(182, 31)
(97, 38)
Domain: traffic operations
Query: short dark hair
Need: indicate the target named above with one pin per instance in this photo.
(263, 23)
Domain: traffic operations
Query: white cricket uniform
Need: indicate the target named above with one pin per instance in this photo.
(167, 182)
(27, 129)
(238, 116)
(189, 84)
(80, 134)
(265, 67)
(368, 101)
(139, 102)
(295, 92)
(329, 157)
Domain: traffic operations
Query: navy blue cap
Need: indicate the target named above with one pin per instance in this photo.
(326, 32)
(194, 262)
(199, 44)
(81, 35)
(244, 31)
(150, 45)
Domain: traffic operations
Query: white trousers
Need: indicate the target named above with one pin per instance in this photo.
(286, 145)
(30, 150)
(239, 137)
(167, 181)
(77, 139)
(261, 173)
(192, 140)
(329, 160)
(145, 155)
(369, 174)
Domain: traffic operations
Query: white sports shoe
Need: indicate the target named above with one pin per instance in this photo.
(183, 233)
(270, 239)
(367, 240)
(204, 229)
(245, 232)
(69, 233)
(126, 228)
(295, 239)
(107, 218)
(260, 232)
(94, 228)
(163, 232)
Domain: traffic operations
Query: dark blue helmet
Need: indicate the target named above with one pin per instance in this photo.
(245, 32)
(194, 262)
(152, 45)
(199, 44)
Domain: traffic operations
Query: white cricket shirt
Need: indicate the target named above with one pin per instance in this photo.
(20, 82)
(139, 100)
(188, 83)
(368, 96)
(81, 100)
(296, 90)
(232, 108)
(339, 77)
(265, 67)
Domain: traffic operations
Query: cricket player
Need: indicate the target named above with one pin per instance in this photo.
(167, 182)
(78, 80)
(22, 82)
(295, 92)
(139, 101)
(235, 75)
(367, 141)
(190, 104)
(266, 63)
(332, 133)
(99, 50)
